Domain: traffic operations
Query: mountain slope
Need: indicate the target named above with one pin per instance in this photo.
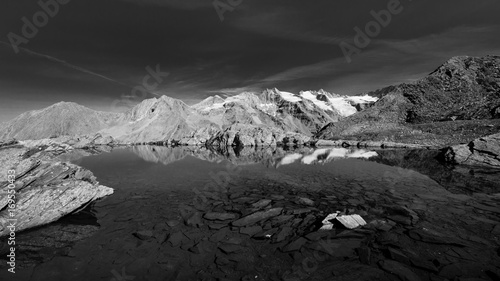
(63, 118)
(464, 88)
(159, 119)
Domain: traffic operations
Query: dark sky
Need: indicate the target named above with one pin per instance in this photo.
(94, 51)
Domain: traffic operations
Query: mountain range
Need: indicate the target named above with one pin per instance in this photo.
(441, 108)
(248, 119)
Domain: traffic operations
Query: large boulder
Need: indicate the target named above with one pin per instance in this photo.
(45, 190)
(480, 152)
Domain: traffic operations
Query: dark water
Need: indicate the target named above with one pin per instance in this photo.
(152, 227)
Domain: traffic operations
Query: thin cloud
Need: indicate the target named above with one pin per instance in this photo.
(284, 24)
(233, 91)
(66, 64)
(303, 71)
(387, 62)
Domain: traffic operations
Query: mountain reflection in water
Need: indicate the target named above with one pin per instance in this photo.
(271, 156)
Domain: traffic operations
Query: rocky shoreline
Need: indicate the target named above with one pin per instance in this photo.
(372, 144)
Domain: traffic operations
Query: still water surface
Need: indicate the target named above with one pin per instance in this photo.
(155, 226)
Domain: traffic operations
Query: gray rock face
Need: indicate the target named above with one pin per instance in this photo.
(480, 152)
(45, 190)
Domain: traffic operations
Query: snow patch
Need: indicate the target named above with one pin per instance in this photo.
(289, 96)
(362, 99)
(321, 104)
(342, 106)
(214, 106)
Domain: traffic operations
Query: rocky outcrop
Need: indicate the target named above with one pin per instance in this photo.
(44, 189)
(480, 152)
(245, 135)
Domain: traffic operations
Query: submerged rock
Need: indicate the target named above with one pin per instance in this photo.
(219, 216)
(306, 201)
(144, 234)
(261, 203)
(258, 216)
(295, 245)
(251, 231)
(403, 272)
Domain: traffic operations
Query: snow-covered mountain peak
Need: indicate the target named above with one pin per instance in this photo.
(271, 100)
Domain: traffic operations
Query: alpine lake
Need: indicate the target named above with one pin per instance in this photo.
(192, 213)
